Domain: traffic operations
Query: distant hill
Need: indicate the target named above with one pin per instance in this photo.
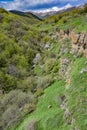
(42, 14)
(26, 14)
(52, 12)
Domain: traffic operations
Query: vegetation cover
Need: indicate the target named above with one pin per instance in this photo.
(43, 73)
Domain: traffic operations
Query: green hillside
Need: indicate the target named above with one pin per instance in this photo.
(43, 71)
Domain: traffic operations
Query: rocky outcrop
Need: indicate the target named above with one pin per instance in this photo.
(79, 42)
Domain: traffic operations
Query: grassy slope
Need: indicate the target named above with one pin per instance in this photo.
(76, 94)
(77, 23)
(52, 119)
(45, 116)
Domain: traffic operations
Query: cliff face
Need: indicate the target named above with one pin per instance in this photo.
(79, 42)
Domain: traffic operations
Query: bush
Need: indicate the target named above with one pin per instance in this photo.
(32, 125)
(3, 11)
(9, 115)
(39, 92)
(14, 106)
(27, 84)
(63, 20)
(85, 8)
(44, 82)
(7, 82)
(28, 108)
(51, 65)
(1, 17)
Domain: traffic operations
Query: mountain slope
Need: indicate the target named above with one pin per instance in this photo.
(63, 104)
(43, 72)
(25, 14)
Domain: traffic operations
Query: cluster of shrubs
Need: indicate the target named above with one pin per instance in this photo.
(14, 106)
(19, 89)
(18, 46)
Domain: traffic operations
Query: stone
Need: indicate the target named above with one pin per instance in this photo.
(64, 61)
(85, 53)
(1, 92)
(67, 113)
(37, 58)
(62, 32)
(73, 37)
(47, 46)
(83, 70)
(79, 42)
(50, 106)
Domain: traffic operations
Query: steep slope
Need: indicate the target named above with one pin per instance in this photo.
(26, 14)
(63, 104)
(43, 72)
(19, 43)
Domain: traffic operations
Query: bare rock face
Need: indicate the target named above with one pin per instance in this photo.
(73, 37)
(79, 42)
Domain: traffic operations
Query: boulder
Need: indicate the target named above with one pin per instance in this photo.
(73, 37)
(50, 106)
(37, 58)
(47, 46)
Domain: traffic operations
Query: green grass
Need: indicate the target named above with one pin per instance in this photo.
(78, 23)
(77, 93)
(48, 119)
(52, 119)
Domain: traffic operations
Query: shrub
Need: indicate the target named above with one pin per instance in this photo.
(3, 11)
(85, 8)
(63, 20)
(32, 125)
(9, 116)
(1, 17)
(60, 15)
(7, 82)
(14, 106)
(44, 82)
(51, 65)
(39, 92)
(28, 108)
(27, 84)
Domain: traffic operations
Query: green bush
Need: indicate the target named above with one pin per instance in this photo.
(7, 82)
(28, 84)
(51, 65)
(3, 11)
(14, 106)
(63, 20)
(45, 81)
(85, 8)
(32, 125)
(39, 92)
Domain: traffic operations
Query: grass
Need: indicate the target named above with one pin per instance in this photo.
(48, 119)
(78, 23)
(52, 118)
(78, 91)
